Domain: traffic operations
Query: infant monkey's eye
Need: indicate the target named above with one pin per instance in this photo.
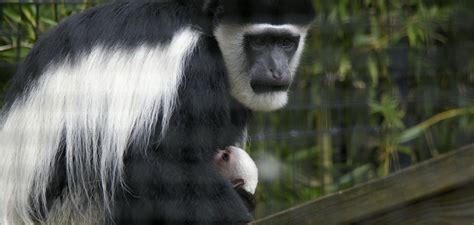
(225, 157)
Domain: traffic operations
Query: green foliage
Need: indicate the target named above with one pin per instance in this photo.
(389, 109)
(21, 26)
(390, 84)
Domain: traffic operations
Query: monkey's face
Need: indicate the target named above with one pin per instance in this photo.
(261, 60)
(269, 56)
(237, 166)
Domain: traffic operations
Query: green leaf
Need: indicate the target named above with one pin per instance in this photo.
(12, 14)
(373, 71)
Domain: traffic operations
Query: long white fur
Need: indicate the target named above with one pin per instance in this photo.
(231, 38)
(95, 107)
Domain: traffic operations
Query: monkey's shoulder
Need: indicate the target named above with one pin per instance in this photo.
(128, 23)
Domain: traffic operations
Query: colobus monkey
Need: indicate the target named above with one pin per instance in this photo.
(238, 167)
(116, 114)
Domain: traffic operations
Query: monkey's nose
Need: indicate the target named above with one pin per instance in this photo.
(275, 74)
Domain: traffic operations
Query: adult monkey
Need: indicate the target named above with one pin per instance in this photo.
(116, 113)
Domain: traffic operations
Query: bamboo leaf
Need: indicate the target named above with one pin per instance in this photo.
(419, 129)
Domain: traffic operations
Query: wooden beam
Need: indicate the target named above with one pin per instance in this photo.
(407, 186)
(452, 208)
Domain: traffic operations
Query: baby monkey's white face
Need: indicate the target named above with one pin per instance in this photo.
(237, 166)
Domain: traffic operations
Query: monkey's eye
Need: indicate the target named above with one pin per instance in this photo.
(287, 43)
(258, 43)
(226, 157)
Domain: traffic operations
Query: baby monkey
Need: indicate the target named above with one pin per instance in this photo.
(239, 168)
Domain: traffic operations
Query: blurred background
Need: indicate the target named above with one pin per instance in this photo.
(383, 85)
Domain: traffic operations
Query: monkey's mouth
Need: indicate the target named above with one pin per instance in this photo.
(238, 182)
(264, 88)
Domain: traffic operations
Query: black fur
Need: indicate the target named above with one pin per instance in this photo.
(266, 11)
(173, 181)
(177, 182)
(249, 199)
(126, 24)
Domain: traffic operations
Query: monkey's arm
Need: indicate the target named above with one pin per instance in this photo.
(178, 192)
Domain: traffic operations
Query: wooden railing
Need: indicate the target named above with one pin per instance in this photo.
(439, 191)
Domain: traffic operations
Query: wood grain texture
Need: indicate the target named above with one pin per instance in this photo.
(451, 208)
(422, 181)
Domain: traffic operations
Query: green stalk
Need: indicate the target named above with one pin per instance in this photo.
(413, 132)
